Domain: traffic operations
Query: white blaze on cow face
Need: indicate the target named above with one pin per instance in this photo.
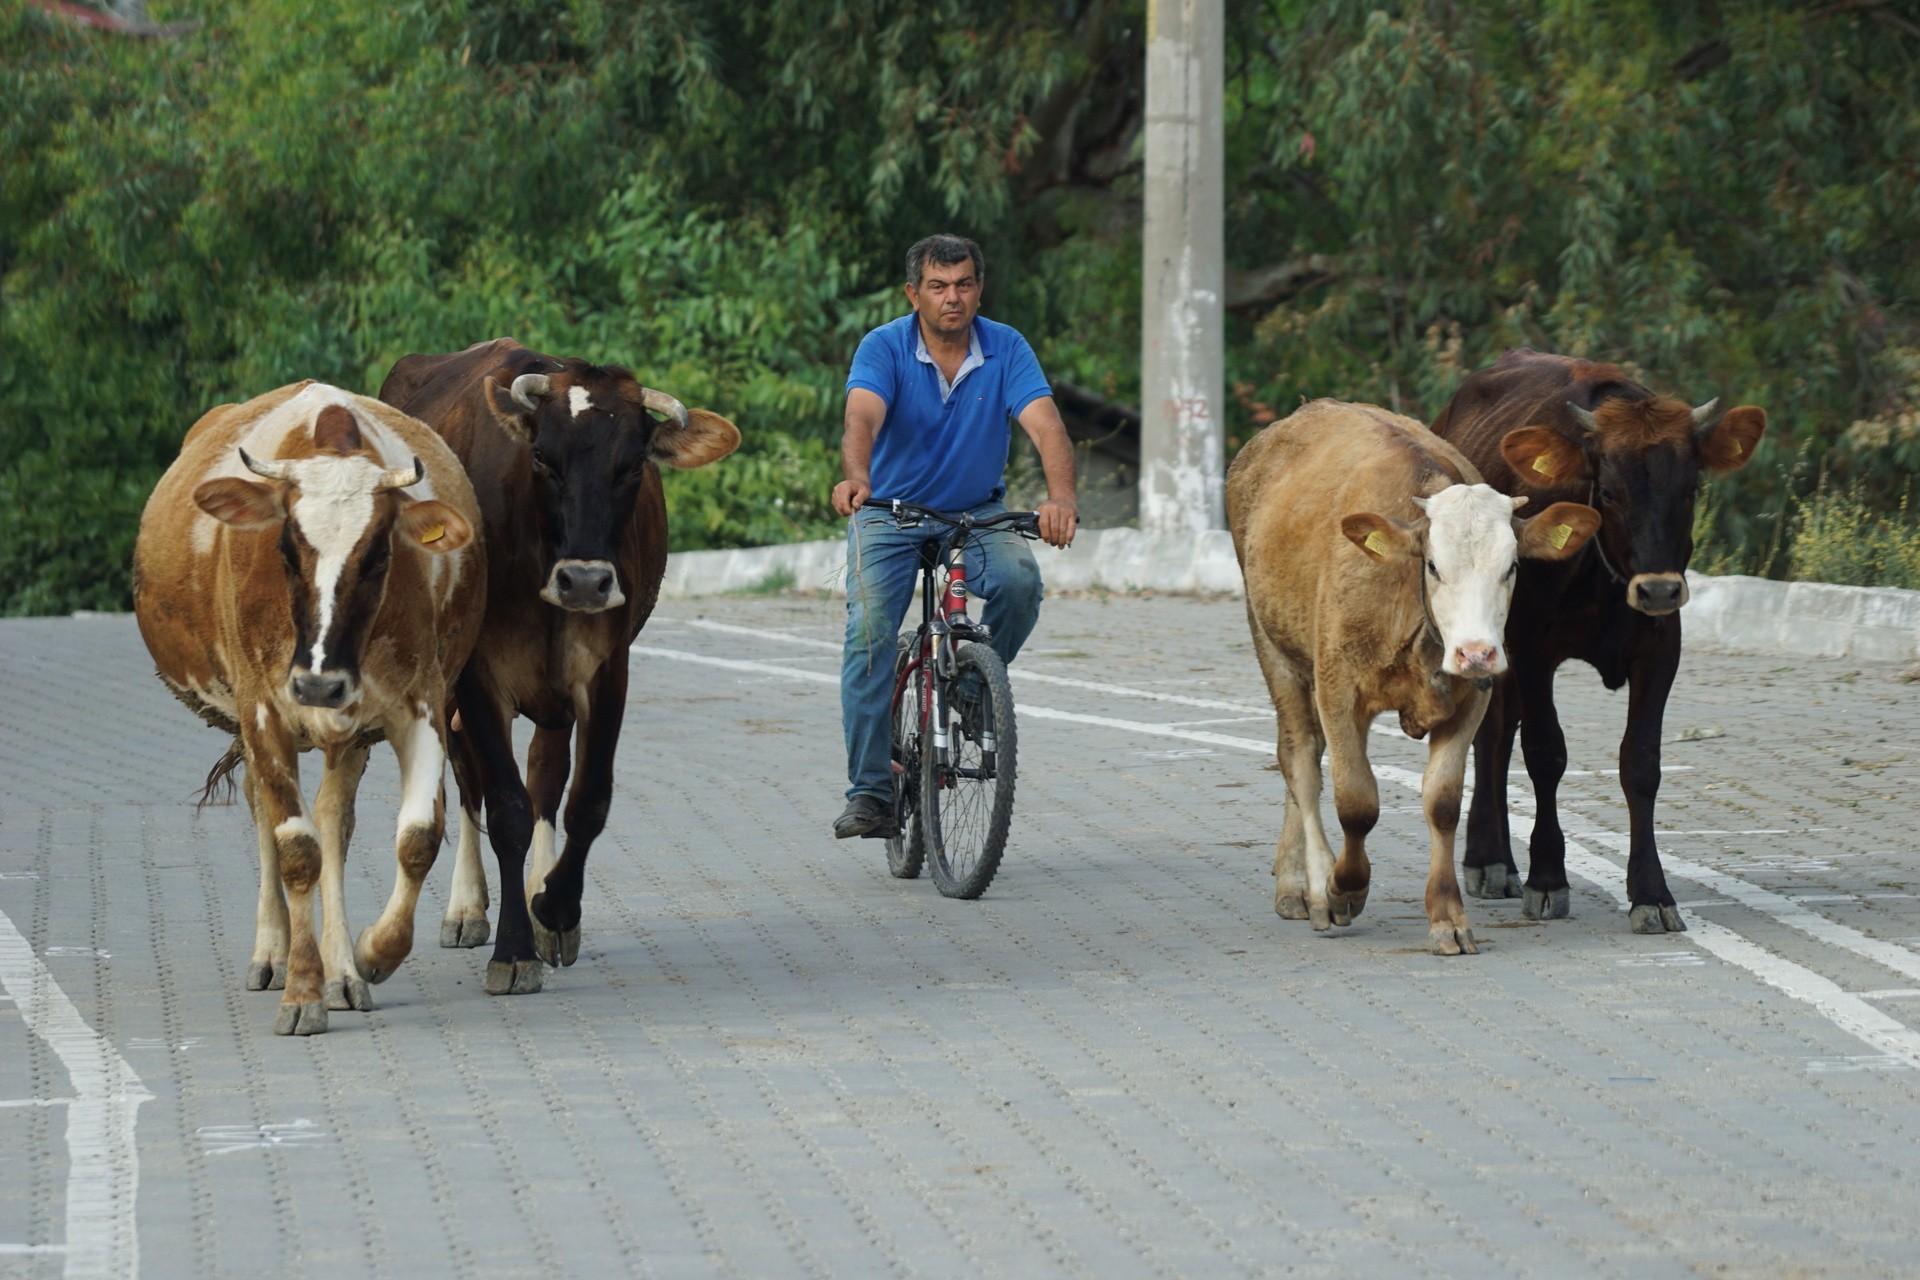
(334, 509)
(1471, 559)
(578, 400)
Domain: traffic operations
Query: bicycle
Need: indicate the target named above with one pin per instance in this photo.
(953, 754)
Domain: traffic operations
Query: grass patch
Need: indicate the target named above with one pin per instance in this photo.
(774, 582)
(1838, 538)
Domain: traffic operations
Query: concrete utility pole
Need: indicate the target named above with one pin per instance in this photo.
(1182, 324)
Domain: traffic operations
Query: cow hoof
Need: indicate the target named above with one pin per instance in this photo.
(467, 931)
(307, 1019)
(1545, 904)
(1496, 881)
(1290, 906)
(1452, 940)
(569, 946)
(513, 977)
(349, 993)
(1321, 918)
(260, 976)
(1652, 919)
(1343, 907)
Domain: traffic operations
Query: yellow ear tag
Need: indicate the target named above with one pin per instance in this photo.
(1738, 448)
(433, 533)
(1377, 543)
(1559, 536)
(1542, 465)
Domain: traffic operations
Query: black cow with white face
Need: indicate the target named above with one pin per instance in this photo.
(1555, 428)
(565, 459)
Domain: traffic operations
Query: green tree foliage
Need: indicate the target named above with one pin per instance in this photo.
(1720, 194)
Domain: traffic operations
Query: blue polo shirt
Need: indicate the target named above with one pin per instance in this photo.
(946, 451)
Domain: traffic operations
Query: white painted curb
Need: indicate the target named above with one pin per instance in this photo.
(1735, 614)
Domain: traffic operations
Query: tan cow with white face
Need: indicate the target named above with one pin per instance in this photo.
(1378, 571)
(307, 576)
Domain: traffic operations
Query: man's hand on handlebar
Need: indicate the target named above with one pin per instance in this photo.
(1058, 520)
(849, 494)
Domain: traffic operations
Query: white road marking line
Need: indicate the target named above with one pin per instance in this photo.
(1849, 1012)
(1782, 908)
(103, 1160)
(36, 1102)
(32, 1248)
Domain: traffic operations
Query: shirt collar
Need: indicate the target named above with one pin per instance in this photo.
(975, 357)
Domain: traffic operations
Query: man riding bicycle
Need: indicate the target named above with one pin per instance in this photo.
(928, 400)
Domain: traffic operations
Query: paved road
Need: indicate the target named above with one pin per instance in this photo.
(772, 1059)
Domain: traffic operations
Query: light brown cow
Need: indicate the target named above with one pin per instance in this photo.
(307, 576)
(1378, 571)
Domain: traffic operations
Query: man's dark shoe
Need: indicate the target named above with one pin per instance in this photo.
(972, 712)
(865, 815)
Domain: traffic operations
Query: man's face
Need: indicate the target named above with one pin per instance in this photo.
(948, 297)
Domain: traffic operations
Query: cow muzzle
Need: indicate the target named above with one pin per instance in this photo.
(1475, 661)
(1657, 594)
(583, 586)
(327, 690)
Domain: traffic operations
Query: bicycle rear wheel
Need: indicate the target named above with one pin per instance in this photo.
(907, 848)
(966, 804)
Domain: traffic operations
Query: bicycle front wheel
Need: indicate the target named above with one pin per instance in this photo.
(906, 848)
(966, 799)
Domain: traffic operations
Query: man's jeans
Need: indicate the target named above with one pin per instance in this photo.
(883, 567)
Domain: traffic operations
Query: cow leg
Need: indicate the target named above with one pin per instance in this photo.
(1356, 800)
(1449, 931)
(333, 812)
(1297, 751)
(274, 768)
(1544, 745)
(1652, 909)
(600, 716)
(465, 923)
(513, 968)
(1490, 869)
(267, 968)
(548, 763)
(423, 820)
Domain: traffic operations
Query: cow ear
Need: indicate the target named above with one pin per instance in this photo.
(1558, 532)
(435, 526)
(1543, 458)
(514, 420)
(706, 438)
(1381, 538)
(1730, 443)
(247, 505)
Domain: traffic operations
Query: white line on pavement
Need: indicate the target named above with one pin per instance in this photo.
(1849, 1012)
(103, 1161)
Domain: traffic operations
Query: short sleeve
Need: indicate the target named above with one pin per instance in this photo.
(873, 367)
(1024, 381)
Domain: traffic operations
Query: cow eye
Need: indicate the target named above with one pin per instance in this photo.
(1433, 568)
(541, 464)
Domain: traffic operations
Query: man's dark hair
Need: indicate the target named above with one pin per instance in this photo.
(943, 251)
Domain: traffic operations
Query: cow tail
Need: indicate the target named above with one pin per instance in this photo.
(220, 785)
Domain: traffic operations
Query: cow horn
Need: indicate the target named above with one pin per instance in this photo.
(275, 470)
(400, 479)
(661, 402)
(1705, 411)
(529, 389)
(1584, 417)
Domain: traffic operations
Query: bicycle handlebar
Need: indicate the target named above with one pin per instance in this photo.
(1025, 523)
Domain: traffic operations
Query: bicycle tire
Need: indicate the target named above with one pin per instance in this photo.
(907, 847)
(966, 806)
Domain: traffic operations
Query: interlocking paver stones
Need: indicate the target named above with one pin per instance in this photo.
(773, 1059)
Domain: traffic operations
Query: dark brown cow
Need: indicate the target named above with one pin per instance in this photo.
(564, 457)
(1560, 428)
(306, 577)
